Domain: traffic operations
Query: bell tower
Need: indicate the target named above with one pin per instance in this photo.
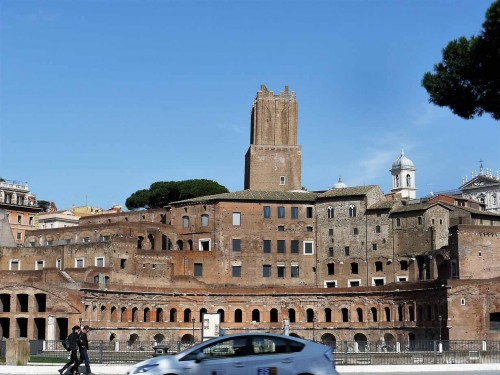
(403, 177)
(273, 160)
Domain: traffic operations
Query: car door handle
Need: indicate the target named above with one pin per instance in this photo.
(239, 364)
(287, 360)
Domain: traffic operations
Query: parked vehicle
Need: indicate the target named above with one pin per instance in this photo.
(245, 354)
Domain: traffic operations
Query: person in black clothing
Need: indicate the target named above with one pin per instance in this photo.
(74, 343)
(84, 348)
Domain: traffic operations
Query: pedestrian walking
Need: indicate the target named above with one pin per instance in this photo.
(74, 343)
(84, 350)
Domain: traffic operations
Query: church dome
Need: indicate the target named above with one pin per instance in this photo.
(339, 184)
(403, 162)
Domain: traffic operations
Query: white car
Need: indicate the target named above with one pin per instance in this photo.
(245, 354)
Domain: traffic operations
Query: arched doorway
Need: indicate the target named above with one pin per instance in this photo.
(362, 342)
(329, 339)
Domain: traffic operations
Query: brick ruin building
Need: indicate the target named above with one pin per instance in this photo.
(349, 263)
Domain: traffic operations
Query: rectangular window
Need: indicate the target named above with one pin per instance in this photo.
(355, 231)
(330, 284)
(266, 246)
(123, 263)
(266, 270)
(204, 244)
(309, 229)
(295, 212)
(30, 220)
(282, 180)
(294, 271)
(330, 251)
(99, 261)
(237, 218)
(294, 247)
(86, 239)
(331, 268)
(18, 236)
(198, 269)
(79, 263)
(281, 212)
(236, 245)
(185, 221)
(204, 220)
(59, 264)
(401, 278)
(281, 247)
(267, 212)
(346, 251)
(236, 271)
(309, 212)
(377, 229)
(39, 265)
(354, 283)
(281, 272)
(281, 228)
(420, 220)
(15, 265)
(308, 247)
(378, 281)
(19, 219)
(374, 246)
(330, 232)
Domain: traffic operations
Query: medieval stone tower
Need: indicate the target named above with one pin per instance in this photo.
(273, 160)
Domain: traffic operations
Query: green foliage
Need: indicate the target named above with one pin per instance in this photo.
(467, 80)
(161, 193)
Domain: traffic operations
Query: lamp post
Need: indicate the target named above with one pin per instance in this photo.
(193, 321)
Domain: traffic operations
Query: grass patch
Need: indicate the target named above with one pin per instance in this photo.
(35, 359)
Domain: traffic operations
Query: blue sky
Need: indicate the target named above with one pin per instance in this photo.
(102, 98)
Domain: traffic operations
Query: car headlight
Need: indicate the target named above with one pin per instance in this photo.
(143, 369)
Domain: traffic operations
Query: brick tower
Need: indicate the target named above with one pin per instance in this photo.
(273, 160)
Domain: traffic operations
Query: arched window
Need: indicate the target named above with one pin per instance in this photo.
(238, 316)
(328, 315)
(134, 314)
(373, 310)
(387, 311)
(190, 245)
(103, 313)
(180, 245)
(255, 315)
(159, 315)
(151, 239)
(345, 314)
(187, 315)
(274, 315)
(400, 313)
(359, 311)
(397, 180)
(310, 315)
(291, 315)
(408, 180)
(221, 314)
(139, 242)
(173, 316)
(352, 211)
(114, 314)
(203, 311)
(123, 314)
(147, 314)
(330, 212)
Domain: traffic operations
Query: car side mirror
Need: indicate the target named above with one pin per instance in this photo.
(200, 357)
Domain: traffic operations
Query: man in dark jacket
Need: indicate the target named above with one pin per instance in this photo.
(84, 350)
(74, 343)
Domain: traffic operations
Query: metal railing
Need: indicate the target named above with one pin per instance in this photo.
(345, 352)
(415, 352)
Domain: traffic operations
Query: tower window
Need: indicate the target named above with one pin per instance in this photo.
(330, 212)
(352, 211)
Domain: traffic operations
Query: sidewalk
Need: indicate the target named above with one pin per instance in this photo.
(388, 369)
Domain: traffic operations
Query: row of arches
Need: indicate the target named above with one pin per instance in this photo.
(399, 312)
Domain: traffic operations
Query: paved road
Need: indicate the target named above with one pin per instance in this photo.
(481, 369)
